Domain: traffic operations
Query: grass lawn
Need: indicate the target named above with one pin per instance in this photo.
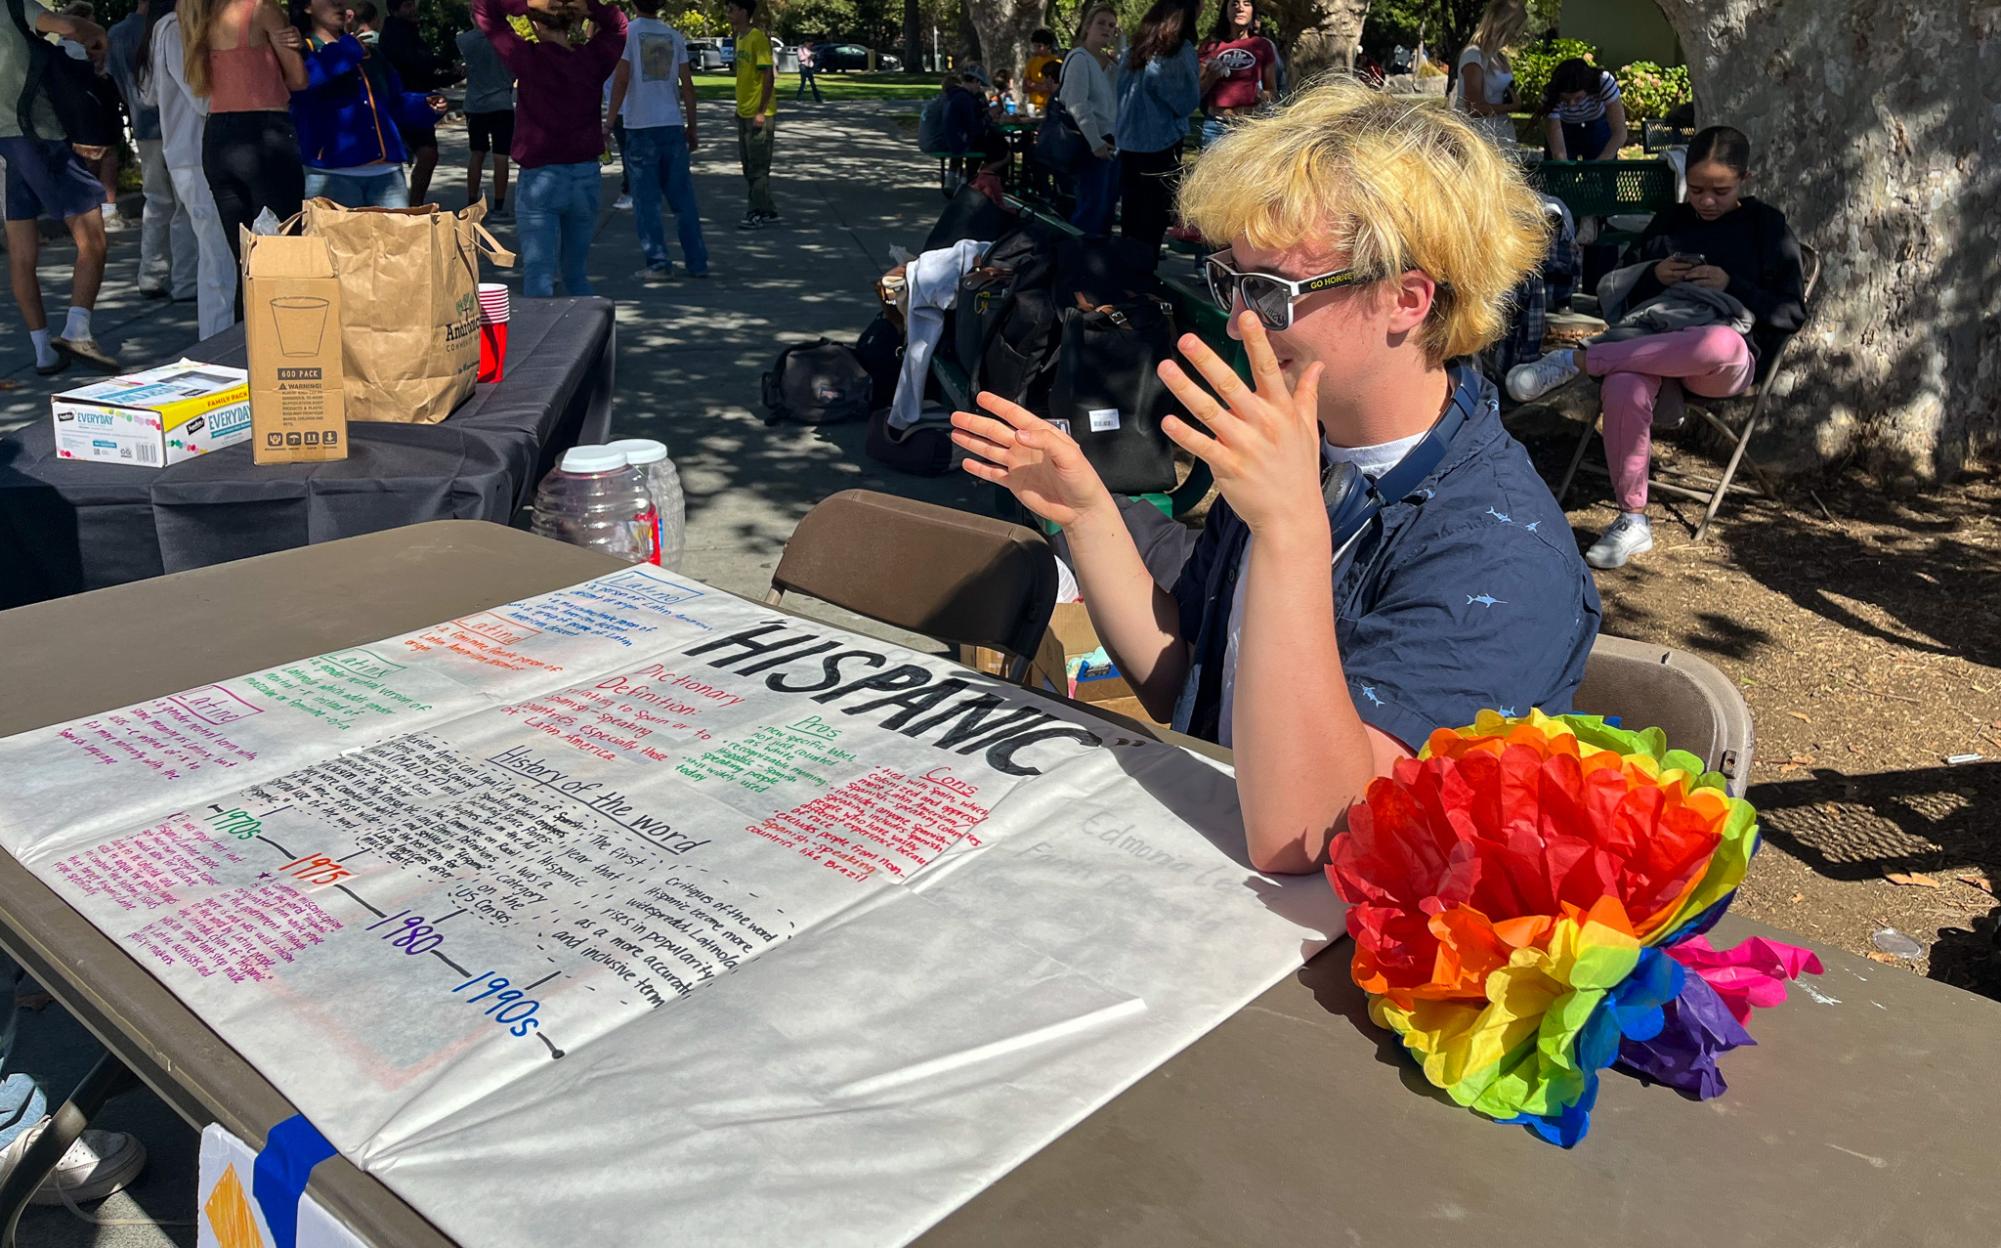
(847, 86)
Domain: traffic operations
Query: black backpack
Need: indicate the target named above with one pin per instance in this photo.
(818, 383)
(1005, 318)
(880, 351)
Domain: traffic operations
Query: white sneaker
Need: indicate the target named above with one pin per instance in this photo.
(622, 203)
(98, 1164)
(1629, 535)
(114, 220)
(1536, 378)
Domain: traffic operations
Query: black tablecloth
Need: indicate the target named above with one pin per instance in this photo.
(71, 525)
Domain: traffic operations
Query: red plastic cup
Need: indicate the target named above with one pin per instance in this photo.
(492, 350)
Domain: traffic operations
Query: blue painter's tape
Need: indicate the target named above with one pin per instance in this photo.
(278, 1179)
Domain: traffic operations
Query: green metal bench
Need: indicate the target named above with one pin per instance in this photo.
(1607, 188)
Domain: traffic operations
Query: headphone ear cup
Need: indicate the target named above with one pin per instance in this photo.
(1350, 500)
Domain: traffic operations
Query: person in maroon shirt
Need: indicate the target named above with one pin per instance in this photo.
(1239, 68)
(560, 66)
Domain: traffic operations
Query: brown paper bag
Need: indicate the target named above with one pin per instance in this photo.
(409, 288)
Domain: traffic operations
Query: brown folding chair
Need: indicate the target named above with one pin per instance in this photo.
(963, 579)
(1650, 686)
(1707, 489)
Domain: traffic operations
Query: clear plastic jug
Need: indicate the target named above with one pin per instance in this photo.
(663, 480)
(596, 499)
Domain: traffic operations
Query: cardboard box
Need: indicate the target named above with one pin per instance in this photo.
(292, 323)
(1088, 674)
(155, 418)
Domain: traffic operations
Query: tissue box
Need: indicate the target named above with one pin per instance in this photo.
(151, 419)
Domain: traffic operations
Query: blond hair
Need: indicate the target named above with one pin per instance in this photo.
(1390, 183)
(1091, 15)
(1502, 24)
(197, 25)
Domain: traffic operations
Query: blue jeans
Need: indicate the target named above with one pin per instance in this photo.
(555, 214)
(656, 157)
(1214, 128)
(1585, 141)
(382, 190)
(1097, 196)
(22, 1102)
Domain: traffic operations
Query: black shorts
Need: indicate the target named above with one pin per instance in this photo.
(491, 132)
(414, 138)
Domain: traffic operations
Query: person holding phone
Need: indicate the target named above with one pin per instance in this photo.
(1720, 240)
(1384, 559)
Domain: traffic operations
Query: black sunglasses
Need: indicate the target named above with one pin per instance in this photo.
(1269, 296)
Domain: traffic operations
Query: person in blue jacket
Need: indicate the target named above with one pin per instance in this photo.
(1160, 87)
(351, 115)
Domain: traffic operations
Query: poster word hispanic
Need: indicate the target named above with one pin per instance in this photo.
(639, 903)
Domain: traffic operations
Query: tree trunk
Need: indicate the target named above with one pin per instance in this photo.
(1873, 127)
(1319, 36)
(969, 34)
(913, 36)
(1004, 27)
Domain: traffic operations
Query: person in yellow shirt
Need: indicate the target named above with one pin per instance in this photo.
(1036, 81)
(756, 113)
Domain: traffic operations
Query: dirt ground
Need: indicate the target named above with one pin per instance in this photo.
(1862, 629)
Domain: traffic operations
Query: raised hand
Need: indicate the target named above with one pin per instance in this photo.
(1263, 444)
(1034, 460)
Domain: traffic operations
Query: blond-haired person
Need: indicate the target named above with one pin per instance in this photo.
(1372, 246)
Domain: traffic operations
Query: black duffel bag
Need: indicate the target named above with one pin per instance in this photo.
(1005, 318)
(818, 383)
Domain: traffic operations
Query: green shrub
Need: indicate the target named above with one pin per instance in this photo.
(1651, 90)
(1534, 65)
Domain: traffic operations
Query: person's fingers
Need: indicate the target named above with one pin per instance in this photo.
(1222, 379)
(985, 427)
(1199, 444)
(1264, 361)
(1198, 402)
(984, 471)
(1306, 395)
(973, 444)
(1013, 413)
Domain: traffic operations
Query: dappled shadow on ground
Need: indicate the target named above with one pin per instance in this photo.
(1930, 824)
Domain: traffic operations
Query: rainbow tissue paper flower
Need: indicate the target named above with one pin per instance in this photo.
(1528, 898)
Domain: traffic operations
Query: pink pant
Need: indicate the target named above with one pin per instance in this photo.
(1713, 361)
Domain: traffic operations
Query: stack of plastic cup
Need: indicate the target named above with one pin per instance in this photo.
(493, 314)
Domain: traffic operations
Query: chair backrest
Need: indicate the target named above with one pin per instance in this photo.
(1604, 188)
(962, 579)
(1650, 686)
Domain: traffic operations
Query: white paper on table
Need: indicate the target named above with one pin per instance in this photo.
(226, 1211)
(904, 968)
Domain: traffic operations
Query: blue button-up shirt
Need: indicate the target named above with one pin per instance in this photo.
(1466, 593)
(1156, 101)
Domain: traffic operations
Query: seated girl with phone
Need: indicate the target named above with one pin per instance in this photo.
(1720, 240)
(1384, 559)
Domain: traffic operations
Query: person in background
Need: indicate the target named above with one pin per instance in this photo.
(971, 131)
(404, 47)
(560, 67)
(100, 1162)
(1038, 76)
(87, 102)
(1001, 99)
(1371, 247)
(489, 116)
(808, 75)
(1718, 240)
(46, 177)
(615, 141)
(242, 56)
(1583, 117)
(756, 114)
(364, 22)
(167, 246)
(1486, 87)
(352, 114)
(1246, 73)
(163, 84)
(1087, 95)
(653, 92)
(1160, 85)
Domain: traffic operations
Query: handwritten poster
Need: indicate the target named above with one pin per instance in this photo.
(641, 908)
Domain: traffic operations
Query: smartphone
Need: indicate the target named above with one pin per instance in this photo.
(1690, 258)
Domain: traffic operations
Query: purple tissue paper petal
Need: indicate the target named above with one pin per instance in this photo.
(1697, 1028)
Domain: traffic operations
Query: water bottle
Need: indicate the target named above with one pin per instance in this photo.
(597, 500)
(663, 481)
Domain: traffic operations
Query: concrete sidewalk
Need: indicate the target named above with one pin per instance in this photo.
(850, 184)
